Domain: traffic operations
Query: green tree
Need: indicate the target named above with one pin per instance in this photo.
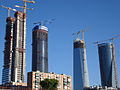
(49, 84)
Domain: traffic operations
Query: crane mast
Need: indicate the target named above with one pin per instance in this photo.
(114, 65)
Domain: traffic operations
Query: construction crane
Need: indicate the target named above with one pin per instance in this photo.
(25, 5)
(78, 33)
(8, 9)
(114, 66)
(45, 22)
(113, 56)
(111, 39)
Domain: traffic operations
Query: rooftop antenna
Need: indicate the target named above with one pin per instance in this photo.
(8, 9)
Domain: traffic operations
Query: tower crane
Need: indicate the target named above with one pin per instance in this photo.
(111, 39)
(8, 9)
(78, 33)
(45, 22)
(113, 56)
(25, 5)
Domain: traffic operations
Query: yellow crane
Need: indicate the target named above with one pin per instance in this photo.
(8, 9)
(25, 5)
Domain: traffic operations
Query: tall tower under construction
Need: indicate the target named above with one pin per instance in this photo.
(40, 49)
(7, 67)
(15, 49)
(80, 70)
(19, 48)
(108, 68)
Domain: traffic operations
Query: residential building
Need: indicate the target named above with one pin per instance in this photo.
(34, 79)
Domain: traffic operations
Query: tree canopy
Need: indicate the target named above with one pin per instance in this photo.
(49, 84)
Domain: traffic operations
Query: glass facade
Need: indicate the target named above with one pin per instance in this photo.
(80, 71)
(107, 65)
(6, 73)
(40, 49)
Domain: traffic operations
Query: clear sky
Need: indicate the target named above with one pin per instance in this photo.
(102, 17)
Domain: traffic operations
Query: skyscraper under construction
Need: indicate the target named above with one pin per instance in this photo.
(40, 49)
(19, 48)
(108, 68)
(80, 70)
(7, 67)
(15, 49)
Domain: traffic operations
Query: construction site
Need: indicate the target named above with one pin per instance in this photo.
(15, 45)
(14, 63)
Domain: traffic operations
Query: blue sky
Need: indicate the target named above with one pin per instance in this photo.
(102, 17)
